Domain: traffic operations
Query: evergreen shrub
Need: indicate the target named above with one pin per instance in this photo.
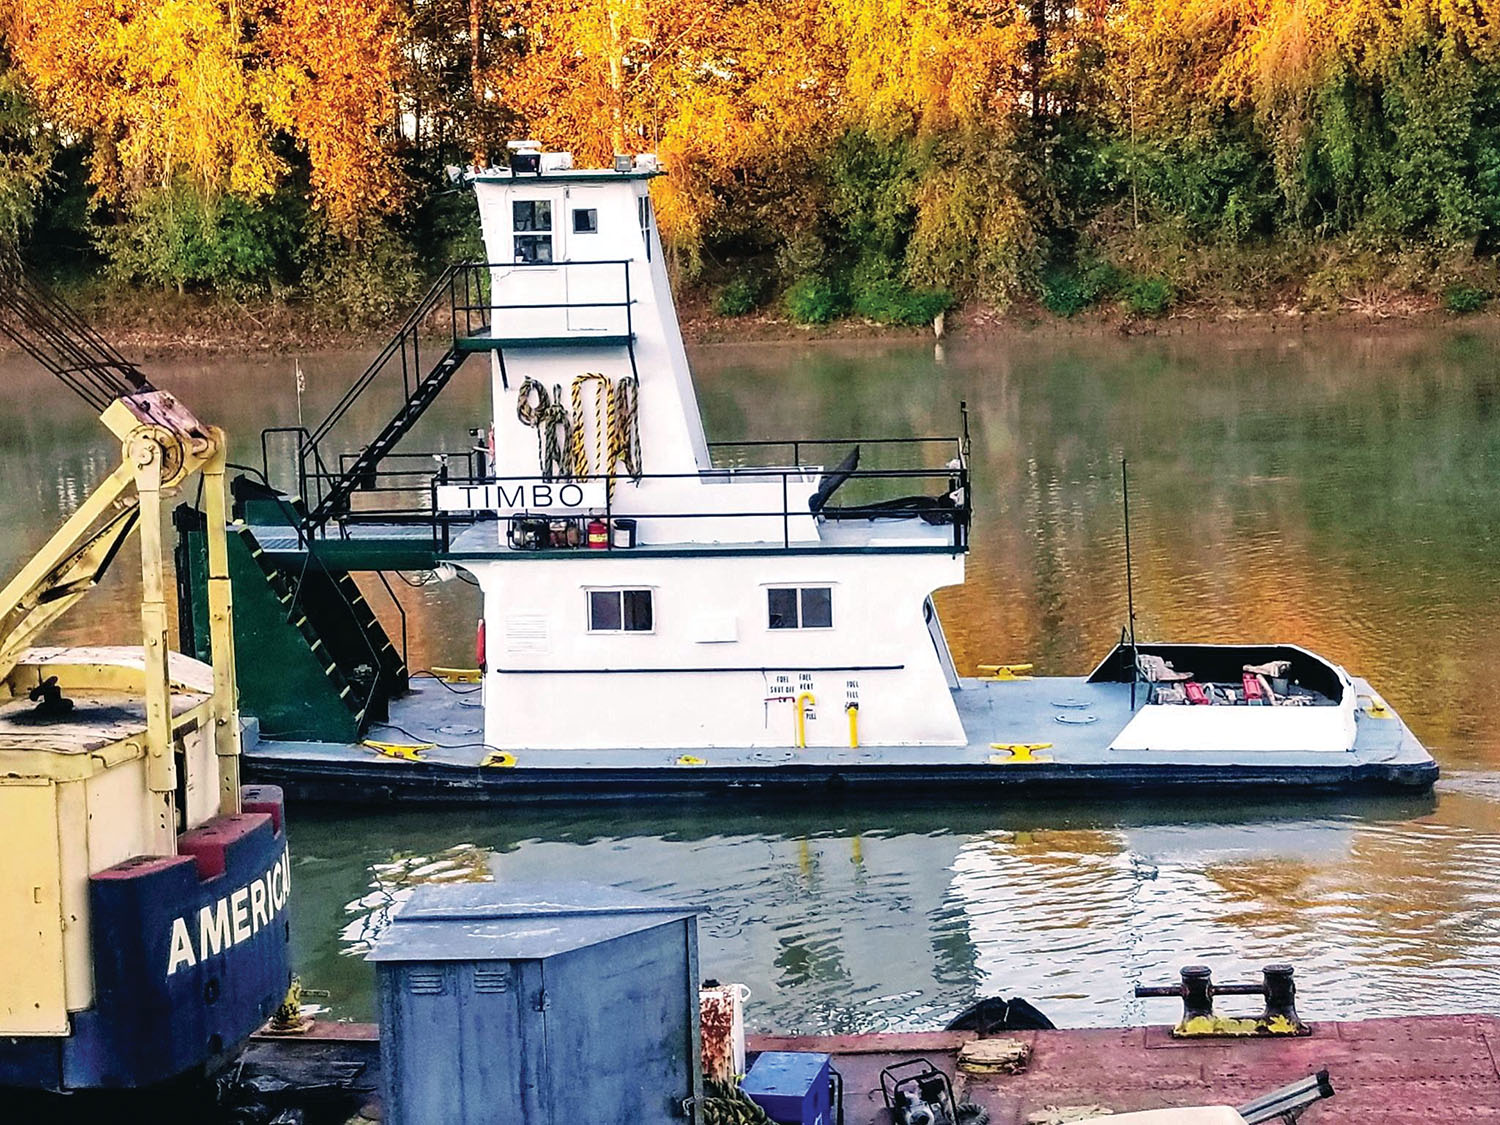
(815, 300)
(890, 302)
(1465, 299)
(742, 295)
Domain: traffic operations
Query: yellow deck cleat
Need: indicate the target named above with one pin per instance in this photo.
(1018, 752)
(691, 760)
(406, 752)
(499, 758)
(1002, 673)
(458, 675)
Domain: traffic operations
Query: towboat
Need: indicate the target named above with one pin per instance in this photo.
(663, 613)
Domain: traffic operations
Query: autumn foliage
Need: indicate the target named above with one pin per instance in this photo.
(882, 152)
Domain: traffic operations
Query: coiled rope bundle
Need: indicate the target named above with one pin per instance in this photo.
(602, 461)
(562, 436)
(553, 425)
(626, 435)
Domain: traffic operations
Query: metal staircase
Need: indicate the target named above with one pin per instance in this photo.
(332, 471)
(329, 491)
(324, 667)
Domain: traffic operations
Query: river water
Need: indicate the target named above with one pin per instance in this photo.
(1337, 490)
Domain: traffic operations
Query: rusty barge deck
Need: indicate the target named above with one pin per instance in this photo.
(1394, 1071)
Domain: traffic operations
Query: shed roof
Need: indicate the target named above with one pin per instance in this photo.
(516, 921)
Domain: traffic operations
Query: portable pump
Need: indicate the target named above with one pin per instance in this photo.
(918, 1093)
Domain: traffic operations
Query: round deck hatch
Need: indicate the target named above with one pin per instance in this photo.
(1076, 719)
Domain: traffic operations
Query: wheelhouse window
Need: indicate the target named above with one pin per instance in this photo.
(531, 224)
(643, 209)
(620, 611)
(585, 220)
(799, 607)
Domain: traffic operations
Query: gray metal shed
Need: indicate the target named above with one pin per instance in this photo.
(563, 1004)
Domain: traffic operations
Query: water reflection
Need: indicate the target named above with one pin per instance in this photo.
(1333, 490)
(845, 919)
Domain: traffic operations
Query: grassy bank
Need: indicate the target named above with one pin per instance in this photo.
(166, 324)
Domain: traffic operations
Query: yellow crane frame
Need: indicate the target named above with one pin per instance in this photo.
(162, 444)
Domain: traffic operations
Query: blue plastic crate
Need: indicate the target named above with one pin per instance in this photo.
(792, 1087)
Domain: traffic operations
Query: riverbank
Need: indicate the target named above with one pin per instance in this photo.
(146, 326)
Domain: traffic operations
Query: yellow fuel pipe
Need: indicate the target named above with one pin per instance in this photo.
(803, 701)
(853, 709)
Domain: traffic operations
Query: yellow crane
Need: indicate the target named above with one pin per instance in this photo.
(141, 887)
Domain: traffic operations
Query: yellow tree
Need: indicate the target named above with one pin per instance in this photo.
(199, 90)
(331, 67)
(160, 86)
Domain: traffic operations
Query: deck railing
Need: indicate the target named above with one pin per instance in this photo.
(407, 494)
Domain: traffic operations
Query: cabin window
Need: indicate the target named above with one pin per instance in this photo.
(585, 220)
(620, 611)
(643, 209)
(800, 607)
(531, 223)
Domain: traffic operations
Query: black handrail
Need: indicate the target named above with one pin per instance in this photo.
(954, 482)
(409, 330)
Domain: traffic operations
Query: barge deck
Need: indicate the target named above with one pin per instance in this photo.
(436, 750)
(1402, 1071)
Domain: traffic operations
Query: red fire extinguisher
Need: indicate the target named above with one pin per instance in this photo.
(479, 645)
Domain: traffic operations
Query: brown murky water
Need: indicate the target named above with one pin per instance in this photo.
(1337, 490)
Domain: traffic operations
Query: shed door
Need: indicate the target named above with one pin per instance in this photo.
(32, 996)
(454, 1043)
(619, 1010)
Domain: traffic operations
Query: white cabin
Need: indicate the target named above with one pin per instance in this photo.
(697, 596)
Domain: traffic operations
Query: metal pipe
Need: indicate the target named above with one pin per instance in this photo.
(805, 698)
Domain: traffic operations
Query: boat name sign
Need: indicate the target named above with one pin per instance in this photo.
(508, 496)
(235, 918)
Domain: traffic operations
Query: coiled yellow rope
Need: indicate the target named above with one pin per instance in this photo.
(602, 461)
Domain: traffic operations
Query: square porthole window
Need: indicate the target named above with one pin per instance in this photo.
(799, 607)
(585, 220)
(620, 611)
